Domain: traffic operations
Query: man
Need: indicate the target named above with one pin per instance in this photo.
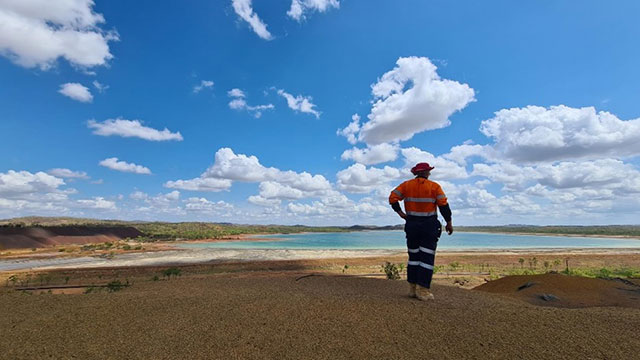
(421, 196)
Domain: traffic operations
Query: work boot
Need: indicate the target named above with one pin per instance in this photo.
(412, 290)
(422, 293)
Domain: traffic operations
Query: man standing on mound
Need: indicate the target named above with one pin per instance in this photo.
(422, 227)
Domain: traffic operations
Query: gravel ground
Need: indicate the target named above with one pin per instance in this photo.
(271, 315)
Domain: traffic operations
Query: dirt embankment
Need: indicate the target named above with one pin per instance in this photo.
(567, 291)
(39, 237)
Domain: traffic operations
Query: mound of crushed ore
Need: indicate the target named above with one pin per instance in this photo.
(567, 291)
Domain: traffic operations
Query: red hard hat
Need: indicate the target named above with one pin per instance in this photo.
(421, 167)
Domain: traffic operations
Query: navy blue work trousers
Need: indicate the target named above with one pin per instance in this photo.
(422, 239)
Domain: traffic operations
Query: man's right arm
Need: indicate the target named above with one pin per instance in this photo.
(394, 199)
(396, 207)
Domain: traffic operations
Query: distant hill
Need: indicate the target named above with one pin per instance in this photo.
(57, 221)
(23, 237)
(591, 230)
(35, 231)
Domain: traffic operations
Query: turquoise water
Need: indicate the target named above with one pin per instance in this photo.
(396, 240)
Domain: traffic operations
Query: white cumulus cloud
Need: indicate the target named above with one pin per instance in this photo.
(131, 128)
(238, 102)
(200, 184)
(203, 84)
(444, 169)
(410, 99)
(351, 131)
(275, 190)
(261, 201)
(601, 174)
(300, 7)
(76, 92)
(69, 174)
(538, 134)
(512, 176)
(99, 86)
(300, 103)
(114, 164)
(14, 183)
(203, 205)
(374, 154)
(35, 33)
(359, 179)
(229, 166)
(97, 203)
(245, 11)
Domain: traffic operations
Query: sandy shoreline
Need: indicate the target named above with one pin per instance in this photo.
(217, 255)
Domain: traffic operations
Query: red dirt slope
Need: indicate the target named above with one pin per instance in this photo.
(38, 237)
(567, 291)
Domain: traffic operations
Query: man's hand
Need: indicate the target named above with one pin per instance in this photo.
(402, 214)
(449, 228)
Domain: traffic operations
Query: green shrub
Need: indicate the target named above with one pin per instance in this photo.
(391, 270)
(604, 273)
(117, 285)
(171, 271)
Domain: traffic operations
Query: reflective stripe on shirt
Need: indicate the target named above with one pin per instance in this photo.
(421, 213)
(423, 200)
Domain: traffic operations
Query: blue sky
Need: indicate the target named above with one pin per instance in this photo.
(528, 111)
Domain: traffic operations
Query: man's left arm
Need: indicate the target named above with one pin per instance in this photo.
(445, 210)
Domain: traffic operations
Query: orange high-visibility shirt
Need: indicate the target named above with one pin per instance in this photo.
(421, 196)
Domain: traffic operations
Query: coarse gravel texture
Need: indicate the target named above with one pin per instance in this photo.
(266, 315)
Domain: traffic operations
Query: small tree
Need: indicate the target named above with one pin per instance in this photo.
(521, 261)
